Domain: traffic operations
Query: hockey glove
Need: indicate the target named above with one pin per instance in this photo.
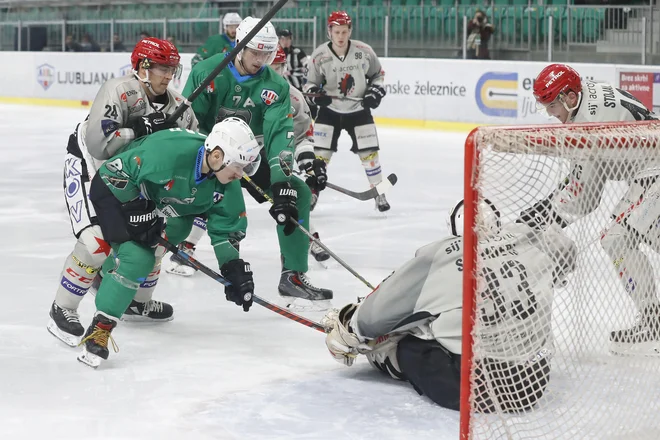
(541, 215)
(343, 344)
(284, 206)
(147, 124)
(239, 274)
(319, 97)
(315, 168)
(143, 224)
(373, 96)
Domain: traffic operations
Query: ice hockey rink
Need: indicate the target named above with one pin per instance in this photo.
(214, 372)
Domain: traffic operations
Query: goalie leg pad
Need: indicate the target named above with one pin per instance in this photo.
(431, 369)
(81, 267)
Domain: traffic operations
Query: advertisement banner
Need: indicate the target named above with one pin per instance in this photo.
(426, 90)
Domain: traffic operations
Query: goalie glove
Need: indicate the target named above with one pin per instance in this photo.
(343, 344)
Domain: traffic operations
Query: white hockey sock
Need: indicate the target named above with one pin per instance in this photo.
(632, 266)
(147, 287)
(371, 164)
(198, 229)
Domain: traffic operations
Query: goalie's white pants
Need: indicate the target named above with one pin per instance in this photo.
(636, 217)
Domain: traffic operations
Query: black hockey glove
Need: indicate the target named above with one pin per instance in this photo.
(541, 215)
(373, 96)
(239, 274)
(321, 99)
(315, 168)
(143, 224)
(284, 206)
(147, 124)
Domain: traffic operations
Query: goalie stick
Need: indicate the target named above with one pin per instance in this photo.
(225, 61)
(192, 262)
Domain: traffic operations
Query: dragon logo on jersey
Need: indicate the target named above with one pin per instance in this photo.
(346, 84)
(269, 96)
(168, 186)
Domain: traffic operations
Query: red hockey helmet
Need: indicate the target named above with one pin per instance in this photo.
(280, 56)
(554, 80)
(156, 51)
(338, 18)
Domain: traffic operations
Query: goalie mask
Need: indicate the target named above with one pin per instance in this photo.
(238, 144)
(488, 218)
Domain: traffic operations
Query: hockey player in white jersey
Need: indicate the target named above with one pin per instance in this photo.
(345, 79)
(304, 155)
(559, 89)
(124, 109)
(410, 327)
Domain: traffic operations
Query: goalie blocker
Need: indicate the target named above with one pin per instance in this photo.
(411, 326)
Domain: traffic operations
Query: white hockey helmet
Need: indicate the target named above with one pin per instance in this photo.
(231, 19)
(488, 219)
(236, 140)
(265, 40)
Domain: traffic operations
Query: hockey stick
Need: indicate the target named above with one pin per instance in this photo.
(219, 278)
(369, 194)
(311, 236)
(225, 61)
(345, 98)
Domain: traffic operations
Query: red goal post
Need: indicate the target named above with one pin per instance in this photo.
(514, 167)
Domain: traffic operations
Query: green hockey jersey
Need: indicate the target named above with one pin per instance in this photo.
(166, 167)
(215, 44)
(262, 100)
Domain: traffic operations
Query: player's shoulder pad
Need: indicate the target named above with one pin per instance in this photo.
(361, 45)
(321, 54)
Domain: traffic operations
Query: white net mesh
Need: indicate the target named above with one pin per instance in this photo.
(549, 361)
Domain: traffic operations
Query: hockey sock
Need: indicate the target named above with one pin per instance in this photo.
(371, 164)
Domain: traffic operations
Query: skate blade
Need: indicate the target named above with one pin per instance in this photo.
(68, 339)
(90, 359)
(648, 349)
(180, 272)
(304, 305)
(142, 318)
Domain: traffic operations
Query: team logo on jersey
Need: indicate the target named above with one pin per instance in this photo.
(238, 88)
(45, 76)
(269, 96)
(217, 196)
(108, 126)
(210, 88)
(346, 84)
(168, 186)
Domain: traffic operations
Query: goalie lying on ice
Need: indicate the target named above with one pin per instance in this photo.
(410, 326)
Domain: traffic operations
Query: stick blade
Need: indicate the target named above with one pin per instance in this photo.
(392, 178)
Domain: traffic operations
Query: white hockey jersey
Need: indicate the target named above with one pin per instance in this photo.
(347, 76)
(117, 104)
(581, 192)
(303, 130)
(515, 289)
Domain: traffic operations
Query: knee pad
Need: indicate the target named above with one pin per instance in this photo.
(366, 137)
(323, 136)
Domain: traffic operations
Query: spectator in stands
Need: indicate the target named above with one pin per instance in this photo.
(296, 60)
(71, 45)
(479, 32)
(117, 44)
(88, 44)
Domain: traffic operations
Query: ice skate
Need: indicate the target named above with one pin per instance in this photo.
(317, 251)
(95, 343)
(641, 339)
(381, 203)
(299, 293)
(65, 325)
(151, 311)
(177, 265)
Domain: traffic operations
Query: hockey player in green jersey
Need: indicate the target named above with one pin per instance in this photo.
(250, 90)
(176, 174)
(219, 43)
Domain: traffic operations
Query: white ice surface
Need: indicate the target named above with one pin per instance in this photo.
(214, 372)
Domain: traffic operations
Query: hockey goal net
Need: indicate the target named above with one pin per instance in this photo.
(583, 390)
